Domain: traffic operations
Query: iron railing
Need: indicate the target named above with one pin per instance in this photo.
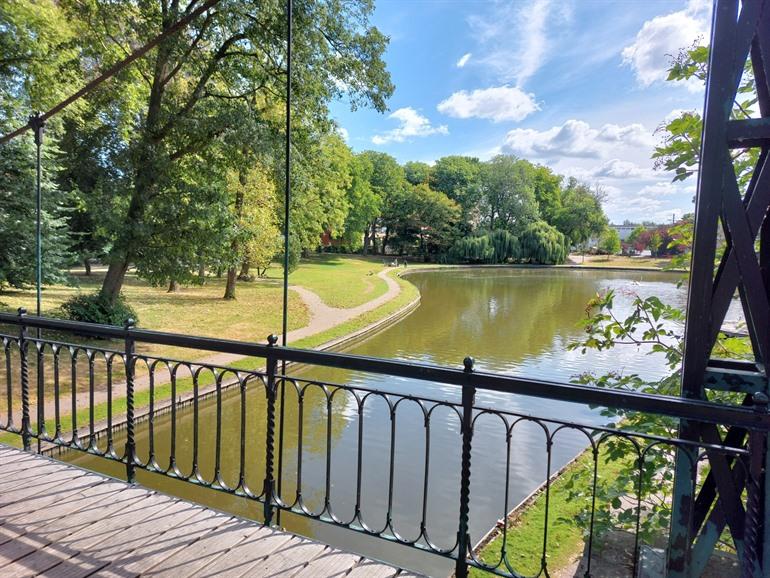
(270, 413)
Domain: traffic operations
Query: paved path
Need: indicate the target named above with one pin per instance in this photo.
(322, 318)
(59, 521)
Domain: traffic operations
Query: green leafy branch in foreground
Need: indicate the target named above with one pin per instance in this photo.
(642, 486)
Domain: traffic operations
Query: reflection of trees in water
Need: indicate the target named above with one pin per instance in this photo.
(314, 440)
(494, 315)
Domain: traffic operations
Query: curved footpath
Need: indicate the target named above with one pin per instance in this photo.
(322, 318)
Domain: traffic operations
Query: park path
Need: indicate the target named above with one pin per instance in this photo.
(322, 318)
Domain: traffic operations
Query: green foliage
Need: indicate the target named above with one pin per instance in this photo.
(17, 218)
(458, 178)
(96, 308)
(417, 173)
(659, 327)
(506, 246)
(580, 216)
(473, 250)
(508, 194)
(609, 243)
(543, 244)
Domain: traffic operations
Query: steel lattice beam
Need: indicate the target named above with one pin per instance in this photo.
(740, 31)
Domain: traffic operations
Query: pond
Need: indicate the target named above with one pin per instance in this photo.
(515, 321)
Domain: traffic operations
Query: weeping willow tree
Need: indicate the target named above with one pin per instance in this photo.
(506, 246)
(541, 243)
(497, 246)
(473, 250)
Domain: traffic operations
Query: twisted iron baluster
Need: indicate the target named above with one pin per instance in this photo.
(463, 539)
(25, 427)
(130, 441)
(269, 484)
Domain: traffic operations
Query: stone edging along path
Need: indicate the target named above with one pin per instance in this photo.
(322, 318)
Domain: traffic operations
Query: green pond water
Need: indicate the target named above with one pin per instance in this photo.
(514, 321)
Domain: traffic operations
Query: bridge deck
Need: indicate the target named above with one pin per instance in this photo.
(60, 521)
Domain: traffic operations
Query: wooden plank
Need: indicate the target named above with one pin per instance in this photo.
(241, 559)
(92, 550)
(26, 490)
(206, 550)
(56, 538)
(288, 559)
(61, 522)
(371, 569)
(151, 553)
(330, 563)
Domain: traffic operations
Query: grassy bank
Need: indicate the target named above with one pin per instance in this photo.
(524, 541)
(621, 261)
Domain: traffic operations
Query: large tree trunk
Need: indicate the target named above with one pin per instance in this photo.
(232, 276)
(113, 280)
(385, 239)
(366, 240)
(87, 266)
(173, 286)
(243, 274)
(235, 246)
(147, 167)
(202, 273)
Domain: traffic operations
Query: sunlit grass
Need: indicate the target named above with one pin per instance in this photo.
(339, 280)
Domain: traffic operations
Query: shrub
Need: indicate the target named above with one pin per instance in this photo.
(95, 308)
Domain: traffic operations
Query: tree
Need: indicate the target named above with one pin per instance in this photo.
(580, 216)
(229, 55)
(458, 178)
(364, 204)
(507, 194)
(541, 243)
(388, 183)
(548, 193)
(609, 243)
(17, 218)
(417, 173)
(255, 237)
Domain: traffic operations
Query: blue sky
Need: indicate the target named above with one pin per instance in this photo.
(577, 85)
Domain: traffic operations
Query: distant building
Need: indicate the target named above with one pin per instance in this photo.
(624, 230)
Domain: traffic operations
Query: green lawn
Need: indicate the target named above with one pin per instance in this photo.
(621, 261)
(524, 543)
(339, 280)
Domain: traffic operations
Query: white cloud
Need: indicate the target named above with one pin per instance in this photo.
(619, 169)
(575, 138)
(513, 37)
(464, 60)
(412, 124)
(663, 37)
(661, 189)
(497, 103)
(343, 132)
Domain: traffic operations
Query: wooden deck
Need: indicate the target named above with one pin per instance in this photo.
(60, 521)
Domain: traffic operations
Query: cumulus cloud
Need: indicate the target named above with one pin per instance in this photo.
(664, 36)
(412, 124)
(497, 103)
(619, 169)
(575, 138)
(463, 60)
(343, 132)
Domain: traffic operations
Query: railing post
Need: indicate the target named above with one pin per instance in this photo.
(24, 362)
(755, 527)
(269, 485)
(130, 433)
(463, 538)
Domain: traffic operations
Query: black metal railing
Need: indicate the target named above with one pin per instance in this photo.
(287, 428)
